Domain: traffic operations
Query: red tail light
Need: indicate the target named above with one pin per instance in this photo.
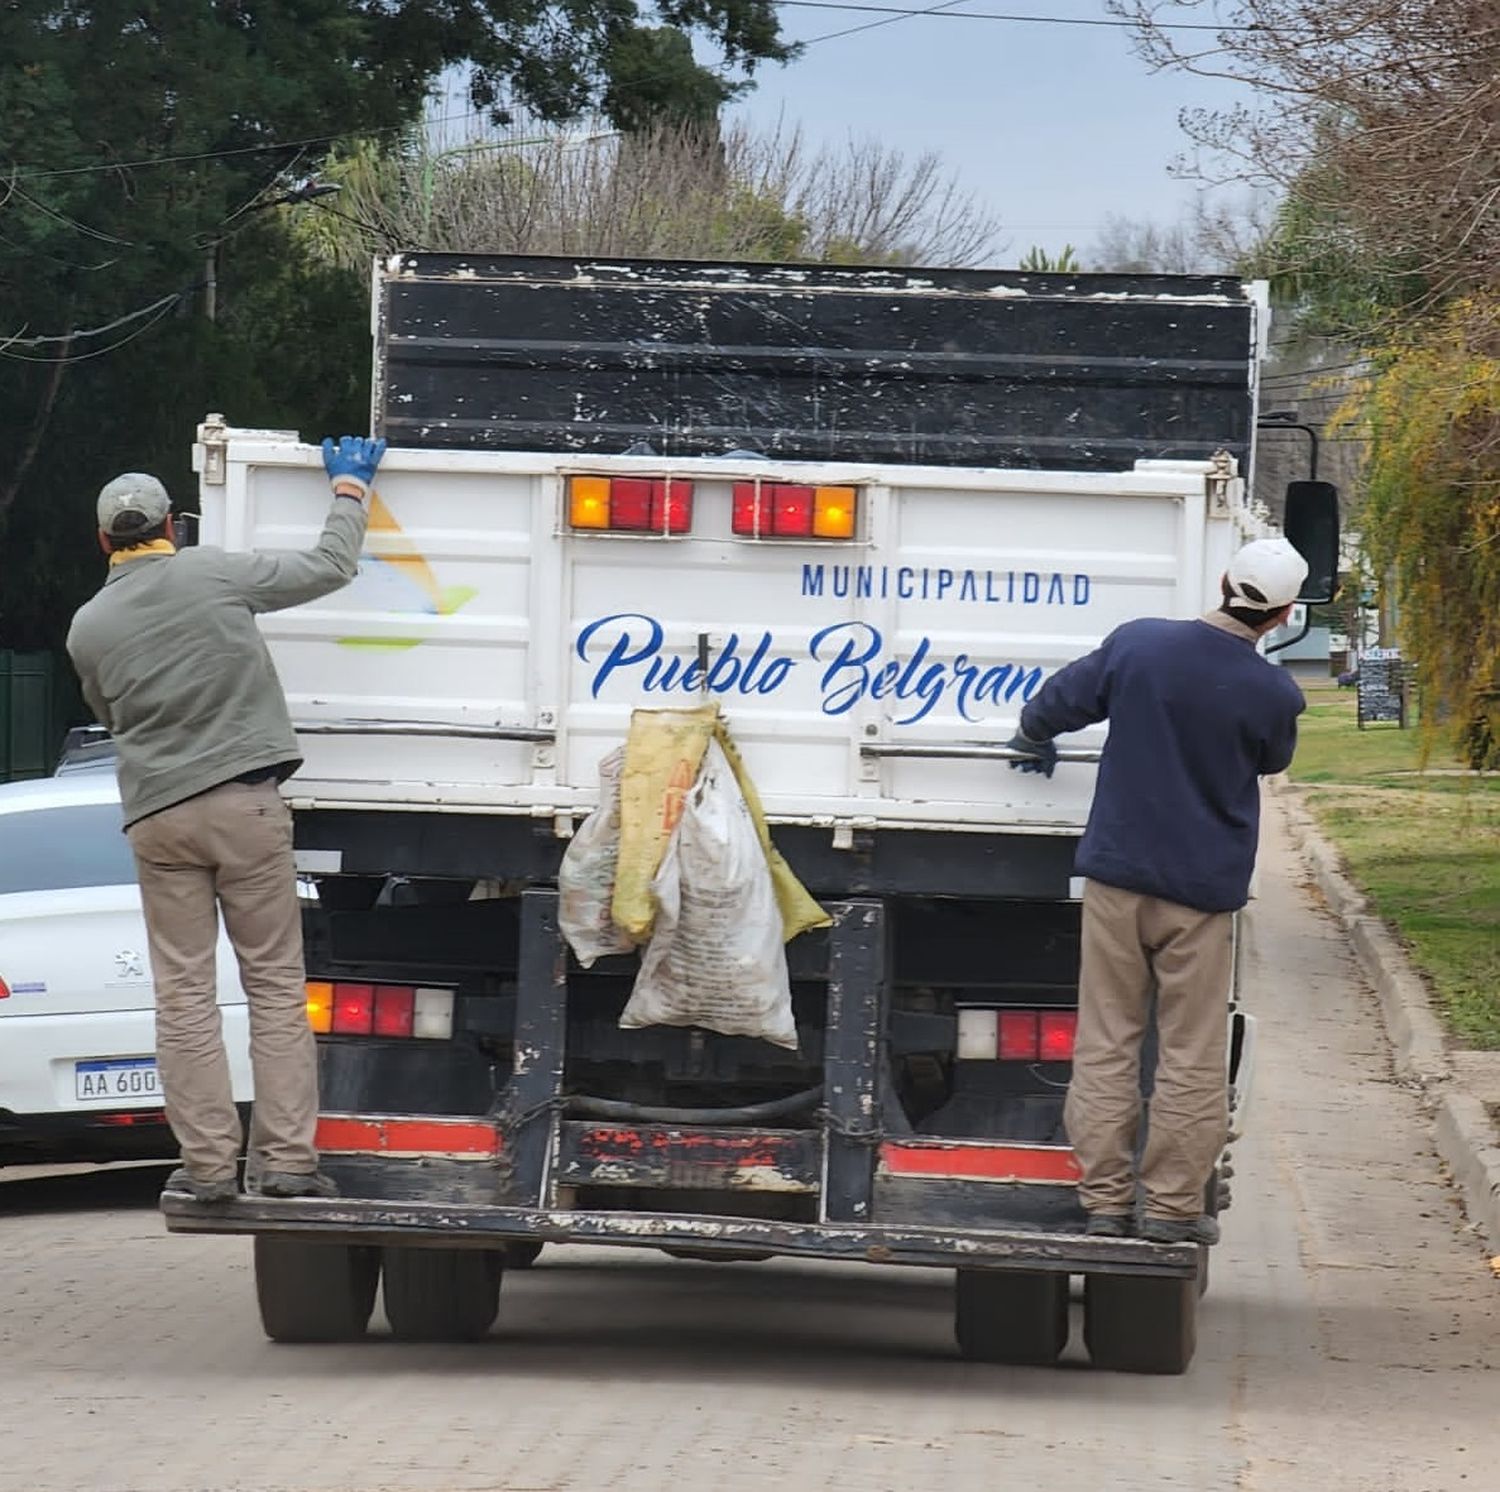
(353, 1009)
(134, 1116)
(398, 1010)
(1017, 1036)
(786, 510)
(395, 1007)
(654, 505)
(986, 1034)
(4, 990)
(1058, 1030)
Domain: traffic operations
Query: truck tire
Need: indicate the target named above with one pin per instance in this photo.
(442, 1295)
(1011, 1316)
(314, 1292)
(1140, 1323)
(521, 1253)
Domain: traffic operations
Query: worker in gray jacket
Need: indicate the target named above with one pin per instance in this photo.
(173, 664)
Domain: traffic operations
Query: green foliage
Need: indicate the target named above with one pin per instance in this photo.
(1425, 845)
(1319, 265)
(290, 351)
(654, 83)
(1431, 519)
(1039, 261)
(142, 143)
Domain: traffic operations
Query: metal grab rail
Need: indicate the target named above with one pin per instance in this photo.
(968, 751)
(958, 751)
(422, 728)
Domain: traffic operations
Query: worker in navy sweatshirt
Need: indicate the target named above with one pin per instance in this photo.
(1196, 717)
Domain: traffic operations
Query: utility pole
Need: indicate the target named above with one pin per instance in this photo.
(305, 191)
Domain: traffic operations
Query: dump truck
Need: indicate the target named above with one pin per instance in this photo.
(866, 512)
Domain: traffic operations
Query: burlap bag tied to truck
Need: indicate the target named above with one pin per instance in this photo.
(678, 856)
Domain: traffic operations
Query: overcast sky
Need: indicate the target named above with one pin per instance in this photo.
(1053, 127)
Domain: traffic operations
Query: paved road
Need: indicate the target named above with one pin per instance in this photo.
(1348, 1343)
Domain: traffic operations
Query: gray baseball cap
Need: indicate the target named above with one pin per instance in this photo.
(131, 504)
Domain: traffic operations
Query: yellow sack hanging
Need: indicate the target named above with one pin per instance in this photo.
(663, 757)
(799, 909)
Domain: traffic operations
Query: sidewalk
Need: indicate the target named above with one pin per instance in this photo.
(1460, 1089)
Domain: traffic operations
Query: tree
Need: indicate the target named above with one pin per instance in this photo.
(1038, 261)
(1381, 119)
(143, 142)
(1382, 128)
(671, 191)
(1226, 238)
(1432, 516)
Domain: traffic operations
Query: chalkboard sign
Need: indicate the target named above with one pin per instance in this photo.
(1382, 686)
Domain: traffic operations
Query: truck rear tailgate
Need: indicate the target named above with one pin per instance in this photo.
(516, 646)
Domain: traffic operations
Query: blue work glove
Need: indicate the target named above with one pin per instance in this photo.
(351, 464)
(1041, 755)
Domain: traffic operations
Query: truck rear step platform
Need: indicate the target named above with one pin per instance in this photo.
(362, 1221)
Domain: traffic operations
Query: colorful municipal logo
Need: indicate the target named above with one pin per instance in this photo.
(399, 582)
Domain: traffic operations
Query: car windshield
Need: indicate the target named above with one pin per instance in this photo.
(55, 849)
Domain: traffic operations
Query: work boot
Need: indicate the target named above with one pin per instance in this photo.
(1110, 1225)
(1180, 1229)
(221, 1189)
(295, 1184)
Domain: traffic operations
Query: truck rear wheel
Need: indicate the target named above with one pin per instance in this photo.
(442, 1295)
(314, 1292)
(1011, 1316)
(521, 1253)
(1140, 1323)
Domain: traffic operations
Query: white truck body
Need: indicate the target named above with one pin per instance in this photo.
(487, 656)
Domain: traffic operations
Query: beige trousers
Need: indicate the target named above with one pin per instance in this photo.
(229, 850)
(1132, 944)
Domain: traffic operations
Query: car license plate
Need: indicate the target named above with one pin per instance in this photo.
(119, 1080)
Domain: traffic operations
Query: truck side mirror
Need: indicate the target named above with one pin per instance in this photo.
(1311, 526)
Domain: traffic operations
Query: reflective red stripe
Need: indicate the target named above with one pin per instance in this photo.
(960, 1160)
(354, 1134)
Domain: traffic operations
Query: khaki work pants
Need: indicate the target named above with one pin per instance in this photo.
(229, 849)
(1132, 944)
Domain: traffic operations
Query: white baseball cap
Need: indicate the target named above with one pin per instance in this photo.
(1266, 575)
(131, 504)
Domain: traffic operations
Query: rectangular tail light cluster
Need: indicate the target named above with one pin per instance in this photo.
(1017, 1035)
(632, 505)
(664, 506)
(390, 1010)
(784, 510)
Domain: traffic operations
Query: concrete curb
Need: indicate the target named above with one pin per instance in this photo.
(1462, 1128)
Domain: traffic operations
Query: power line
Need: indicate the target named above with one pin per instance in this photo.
(813, 41)
(1291, 374)
(33, 173)
(161, 307)
(94, 331)
(1020, 20)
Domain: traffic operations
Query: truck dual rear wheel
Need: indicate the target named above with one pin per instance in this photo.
(314, 1292)
(442, 1295)
(1011, 1316)
(1140, 1323)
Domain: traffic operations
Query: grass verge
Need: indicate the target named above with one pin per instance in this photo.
(1424, 844)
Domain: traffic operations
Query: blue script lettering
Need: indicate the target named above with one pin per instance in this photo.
(639, 641)
(853, 670)
(629, 648)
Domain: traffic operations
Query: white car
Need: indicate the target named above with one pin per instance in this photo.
(78, 1077)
